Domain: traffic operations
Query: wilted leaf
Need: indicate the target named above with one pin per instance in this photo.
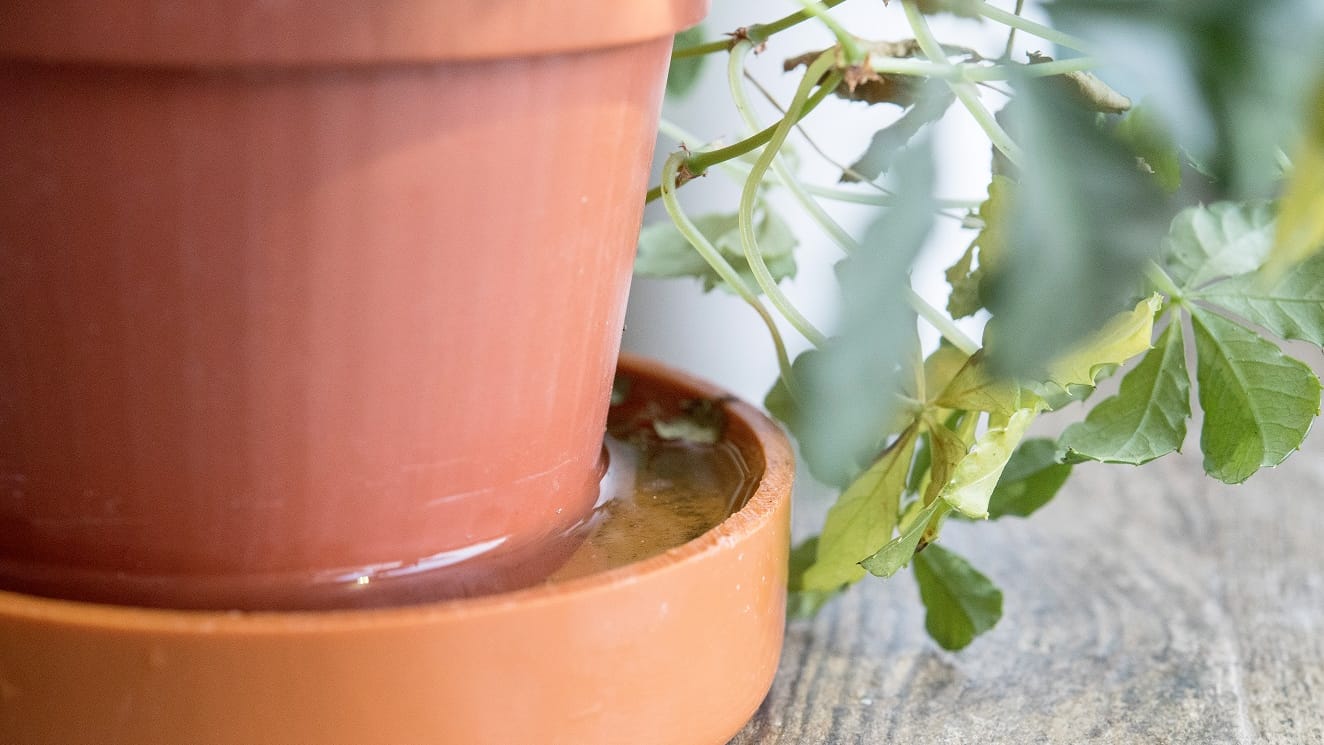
(961, 602)
(684, 72)
(967, 275)
(1032, 477)
(977, 474)
(1223, 239)
(1258, 402)
(863, 518)
(861, 83)
(1291, 305)
(946, 450)
(664, 252)
(1084, 223)
(1086, 89)
(900, 550)
(1124, 336)
(1147, 417)
(931, 102)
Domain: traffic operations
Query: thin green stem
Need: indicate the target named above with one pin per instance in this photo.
(944, 325)
(710, 254)
(849, 44)
(1162, 281)
(749, 195)
(965, 92)
(1046, 33)
(757, 34)
(698, 163)
(1011, 34)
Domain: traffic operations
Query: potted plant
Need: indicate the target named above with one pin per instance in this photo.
(1113, 237)
(311, 317)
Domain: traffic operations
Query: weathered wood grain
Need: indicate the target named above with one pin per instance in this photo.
(1146, 605)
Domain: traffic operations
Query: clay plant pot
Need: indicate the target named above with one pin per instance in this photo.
(312, 304)
(677, 649)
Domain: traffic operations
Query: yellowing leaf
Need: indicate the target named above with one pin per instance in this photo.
(862, 520)
(941, 367)
(977, 474)
(1124, 336)
(975, 389)
(946, 451)
(1301, 212)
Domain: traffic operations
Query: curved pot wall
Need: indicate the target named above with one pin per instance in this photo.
(269, 330)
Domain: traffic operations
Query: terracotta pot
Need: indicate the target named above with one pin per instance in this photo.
(298, 293)
(675, 650)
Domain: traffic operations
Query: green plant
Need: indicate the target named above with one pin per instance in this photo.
(1107, 229)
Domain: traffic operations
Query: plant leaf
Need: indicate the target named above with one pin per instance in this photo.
(1290, 304)
(1301, 212)
(802, 603)
(1144, 131)
(1032, 477)
(863, 519)
(898, 552)
(931, 102)
(1258, 402)
(1147, 417)
(965, 278)
(684, 72)
(961, 603)
(1124, 336)
(1086, 89)
(946, 451)
(664, 252)
(849, 391)
(1083, 225)
(974, 388)
(1223, 239)
(975, 477)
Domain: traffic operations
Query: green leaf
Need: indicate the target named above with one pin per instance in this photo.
(1147, 417)
(975, 477)
(965, 278)
(1290, 304)
(1124, 336)
(1229, 75)
(1032, 477)
(802, 603)
(1207, 243)
(863, 518)
(664, 252)
(975, 388)
(898, 552)
(1144, 131)
(848, 393)
(1301, 212)
(1084, 224)
(684, 72)
(961, 602)
(948, 449)
(932, 101)
(1258, 402)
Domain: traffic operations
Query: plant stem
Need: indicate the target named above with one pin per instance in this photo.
(965, 92)
(849, 45)
(757, 34)
(1011, 35)
(982, 73)
(1046, 33)
(749, 195)
(710, 254)
(698, 163)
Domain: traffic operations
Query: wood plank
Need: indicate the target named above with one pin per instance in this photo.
(1146, 605)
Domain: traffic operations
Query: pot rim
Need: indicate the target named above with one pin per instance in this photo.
(303, 33)
(773, 487)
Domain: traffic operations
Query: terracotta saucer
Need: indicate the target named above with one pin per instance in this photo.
(678, 649)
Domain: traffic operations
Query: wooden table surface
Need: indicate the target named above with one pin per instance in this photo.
(1148, 605)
